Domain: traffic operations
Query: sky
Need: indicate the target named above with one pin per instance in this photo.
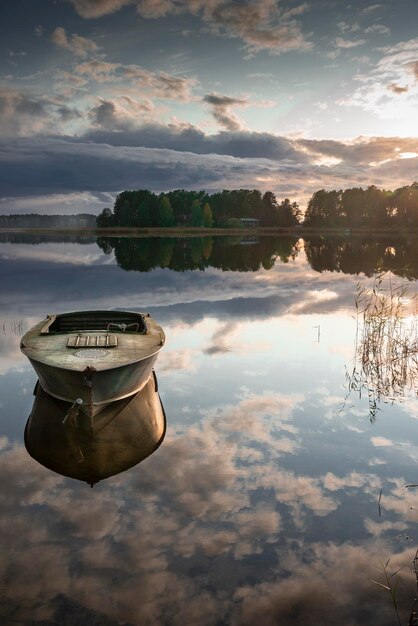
(98, 96)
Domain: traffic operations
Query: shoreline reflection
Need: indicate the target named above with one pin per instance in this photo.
(354, 255)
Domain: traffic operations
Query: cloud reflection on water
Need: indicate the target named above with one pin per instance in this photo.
(146, 546)
(261, 504)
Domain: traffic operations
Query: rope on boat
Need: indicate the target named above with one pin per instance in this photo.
(72, 412)
(123, 327)
(88, 382)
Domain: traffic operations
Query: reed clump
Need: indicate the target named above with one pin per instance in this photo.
(386, 346)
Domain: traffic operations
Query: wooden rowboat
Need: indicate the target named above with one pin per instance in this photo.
(92, 358)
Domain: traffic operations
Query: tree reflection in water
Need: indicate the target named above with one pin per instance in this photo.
(354, 255)
(363, 254)
(238, 254)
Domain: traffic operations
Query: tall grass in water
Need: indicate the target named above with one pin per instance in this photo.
(386, 346)
(385, 369)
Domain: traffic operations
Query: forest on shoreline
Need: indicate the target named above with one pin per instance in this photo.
(353, 208)
(226, 209)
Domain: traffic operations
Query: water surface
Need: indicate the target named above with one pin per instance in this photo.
(261, 505)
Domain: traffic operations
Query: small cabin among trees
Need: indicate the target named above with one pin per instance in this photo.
(250, 222)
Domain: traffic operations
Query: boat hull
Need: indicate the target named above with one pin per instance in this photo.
(96, 388)
(93, 357)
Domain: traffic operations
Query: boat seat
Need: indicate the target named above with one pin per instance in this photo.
(81, 340)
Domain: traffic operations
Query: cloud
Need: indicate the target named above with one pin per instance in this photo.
(348, 43)
(344, 27)
(68, 84)
(397, 88)
(79, 46)
(188, 138)
(56, 203)
(157, 8)
(262, 25)
(162, 565)
(298, 10)
(123, 114)
(221, 106)
(176, 360)
(413, 66)
(396, 67)
(157, 84)
(364, 150)
(97, 8)
(64, 165)
(354, 479)
(10, 353)
(68, 114)
(381, 442)
(379, 528)
(101, 162)
(220, 341)
(22, 113)
(59, 166)
(322, 591)
(370, 8)
(380, 29)
(213, 535)
(259, 25)
(223, 101)
(17, 54)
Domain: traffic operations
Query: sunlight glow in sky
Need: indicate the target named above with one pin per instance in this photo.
(97, 96)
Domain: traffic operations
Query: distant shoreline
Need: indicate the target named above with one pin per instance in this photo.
(192, 231)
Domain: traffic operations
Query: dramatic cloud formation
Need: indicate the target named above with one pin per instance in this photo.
(101, 161)
(190, 80)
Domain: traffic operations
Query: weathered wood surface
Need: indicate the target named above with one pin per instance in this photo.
(52, 349)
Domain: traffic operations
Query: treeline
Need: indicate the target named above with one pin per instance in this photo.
(142, 208)
(349, 208)
(357, 208)
(41, 238)
(34, 220)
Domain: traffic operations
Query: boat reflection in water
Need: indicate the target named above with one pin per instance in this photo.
(59, 436)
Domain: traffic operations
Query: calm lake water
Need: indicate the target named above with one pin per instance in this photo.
(261, 507)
